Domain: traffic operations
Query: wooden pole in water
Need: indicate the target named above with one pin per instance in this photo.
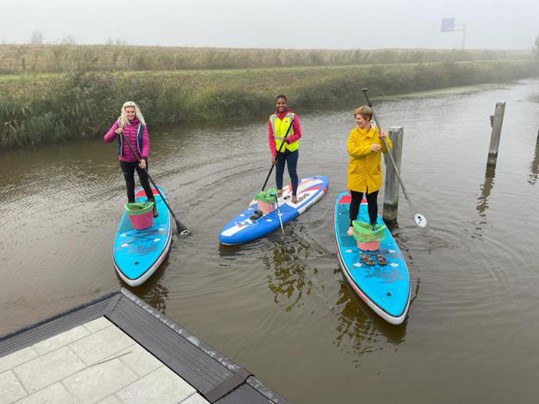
(496, 122)
(391, 187)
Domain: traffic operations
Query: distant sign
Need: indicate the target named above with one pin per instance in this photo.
(448, 24)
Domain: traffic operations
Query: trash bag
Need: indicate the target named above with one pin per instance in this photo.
(364, 233)
(268, 196)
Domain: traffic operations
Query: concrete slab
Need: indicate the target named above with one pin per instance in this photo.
(53, 394)
(162, 386)
(48, 369)
(10, 388)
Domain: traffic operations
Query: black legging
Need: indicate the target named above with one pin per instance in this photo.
(372, 205)
(291, 158)
(128, 169)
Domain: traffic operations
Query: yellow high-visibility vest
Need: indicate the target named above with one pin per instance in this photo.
(280, 128)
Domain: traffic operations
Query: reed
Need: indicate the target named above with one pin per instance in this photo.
(86, 58)
(57, 107)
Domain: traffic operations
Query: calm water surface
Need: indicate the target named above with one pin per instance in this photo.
(280, 306)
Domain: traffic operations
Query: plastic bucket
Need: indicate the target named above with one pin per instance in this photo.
(140, 214)
(265, 207)
(369, 246)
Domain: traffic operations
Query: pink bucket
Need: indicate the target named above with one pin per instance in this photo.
(369, 246)
(265, 207)
(142, 221)
(140, 214)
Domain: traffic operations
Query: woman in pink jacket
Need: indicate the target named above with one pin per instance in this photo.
(133, 127)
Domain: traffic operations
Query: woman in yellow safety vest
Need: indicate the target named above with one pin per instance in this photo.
(284, 132)
(365, 147)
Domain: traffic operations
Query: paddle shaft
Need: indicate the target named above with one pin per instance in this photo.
(179, 226)
(280, 148)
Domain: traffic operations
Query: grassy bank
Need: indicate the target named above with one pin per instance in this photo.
(15, 59)
(56, 107)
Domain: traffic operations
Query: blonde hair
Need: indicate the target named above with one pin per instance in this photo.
(365, 112)
(123, 116)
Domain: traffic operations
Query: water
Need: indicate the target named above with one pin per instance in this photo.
(280, 306)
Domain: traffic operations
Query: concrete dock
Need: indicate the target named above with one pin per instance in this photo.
(118, 349)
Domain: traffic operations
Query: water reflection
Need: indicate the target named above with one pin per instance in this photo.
(286, 271)
(486, 189)
(534, 166)
(359, 328)
(153, 290)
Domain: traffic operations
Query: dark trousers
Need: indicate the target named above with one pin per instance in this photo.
(291, 159)
(128, 169)
(372, 205)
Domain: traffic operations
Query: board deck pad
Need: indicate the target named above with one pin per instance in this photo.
(138, 253)
(242, 229)
(384, 288)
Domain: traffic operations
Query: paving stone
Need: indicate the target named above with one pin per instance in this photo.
(10, 388)
(195, 399)
(110, 400)
(54, 394)
(161, 386)
(97, 324)
(60, 340)
(16, 358)
(139, 360)
(99, 381)
(48, 369)
(101, 345)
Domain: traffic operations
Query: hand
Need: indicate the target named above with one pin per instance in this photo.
(119, 131)
(142, 164)
(375, 147)
(382, 134)
(273, 159)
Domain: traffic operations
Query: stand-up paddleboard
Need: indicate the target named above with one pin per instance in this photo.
(384, 288)
(138, 253)
(246, 227)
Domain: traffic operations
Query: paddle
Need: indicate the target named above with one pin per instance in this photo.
(280, 148)
(279, 214)
(419, 219)
(182, 230)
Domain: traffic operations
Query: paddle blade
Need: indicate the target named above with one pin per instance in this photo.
(421, 222)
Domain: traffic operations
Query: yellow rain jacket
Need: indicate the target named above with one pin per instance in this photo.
(365, 166)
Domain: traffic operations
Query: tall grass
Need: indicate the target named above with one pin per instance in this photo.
(51, 108)
(86, 58)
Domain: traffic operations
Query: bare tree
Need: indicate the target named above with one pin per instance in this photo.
(37, 38)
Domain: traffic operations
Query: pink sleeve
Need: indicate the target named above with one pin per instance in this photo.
(271, 140)
(110, 135)
(145, 143)
(297, 130)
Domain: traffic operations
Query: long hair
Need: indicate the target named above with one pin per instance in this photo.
(123, 116)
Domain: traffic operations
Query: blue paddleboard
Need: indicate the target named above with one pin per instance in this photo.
(242, 229)
(138, 253)
(384, 288)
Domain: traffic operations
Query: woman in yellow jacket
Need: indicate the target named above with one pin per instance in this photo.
(365, 146)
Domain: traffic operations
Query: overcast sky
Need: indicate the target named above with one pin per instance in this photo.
(300, 24)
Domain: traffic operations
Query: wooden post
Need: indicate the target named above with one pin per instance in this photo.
(391, 188)
(496, 122)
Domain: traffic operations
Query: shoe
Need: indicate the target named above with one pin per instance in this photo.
(155, 213)
(279, 193)
(366, 258)
(257, 214)
(381, 259)
(294, 199)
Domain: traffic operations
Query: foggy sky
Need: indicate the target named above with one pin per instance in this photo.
(299, 24)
